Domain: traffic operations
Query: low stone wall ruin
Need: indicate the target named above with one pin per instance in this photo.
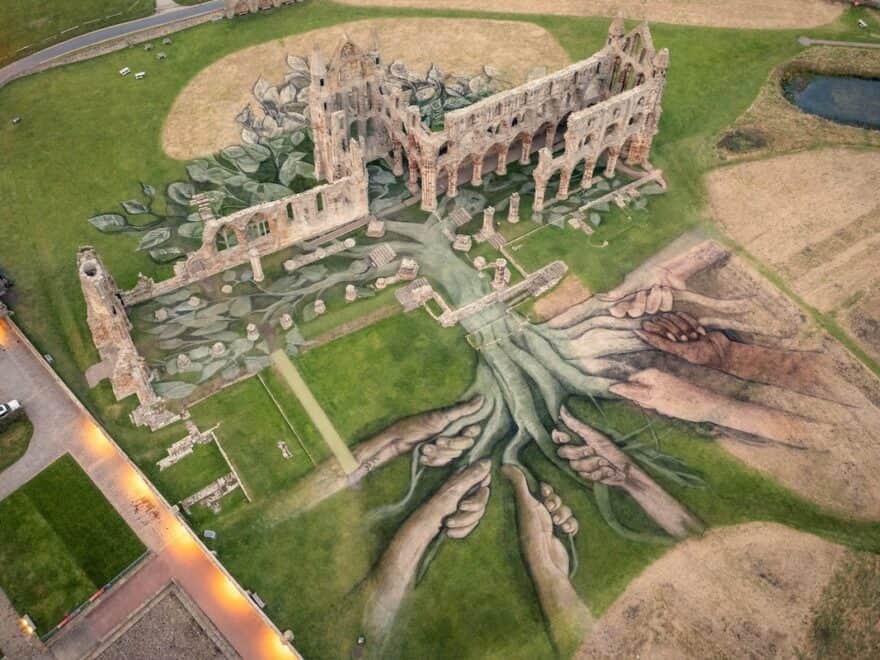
(257, 231)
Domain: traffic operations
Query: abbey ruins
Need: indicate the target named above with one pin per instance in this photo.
(605, 106)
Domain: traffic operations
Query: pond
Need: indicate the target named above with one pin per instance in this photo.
(844, 99)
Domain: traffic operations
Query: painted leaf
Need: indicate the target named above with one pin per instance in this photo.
(181, 192)
(149, 191)
(306, 170)
(258, 152)
(154, 238)
(240, 307)
(234, 152)
(164, 255)
(174, 389)
(191, 230)
(109, 222)
(134, 207)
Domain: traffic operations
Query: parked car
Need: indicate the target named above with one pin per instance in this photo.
(8, 408)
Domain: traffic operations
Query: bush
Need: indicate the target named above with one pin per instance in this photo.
(7, 421)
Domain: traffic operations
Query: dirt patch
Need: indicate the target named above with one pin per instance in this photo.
(743, 591)
(202, 119)
(781, 126)
(815, 218)
(568, 293)
(767, 14)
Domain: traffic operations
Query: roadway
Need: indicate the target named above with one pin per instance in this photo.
(30, 63)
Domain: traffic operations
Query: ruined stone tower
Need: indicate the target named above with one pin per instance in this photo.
(110, 327)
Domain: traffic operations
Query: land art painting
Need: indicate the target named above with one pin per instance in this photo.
(441, 430)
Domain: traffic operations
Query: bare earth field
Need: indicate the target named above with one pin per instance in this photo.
(744, 591)
(767, 14)
(569, 292)
(815, 218)
(202, 119)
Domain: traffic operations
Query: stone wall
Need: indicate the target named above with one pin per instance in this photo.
(234, 8)
(111, 332)
(254, 232)
(617, 92)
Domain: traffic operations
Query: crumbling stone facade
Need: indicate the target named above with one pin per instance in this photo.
(254, 232)
(233, 8)
(243, 237)
(111, 332)
(607, 105)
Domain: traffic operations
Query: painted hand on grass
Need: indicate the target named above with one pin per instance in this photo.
(445, 449)
(599, 460)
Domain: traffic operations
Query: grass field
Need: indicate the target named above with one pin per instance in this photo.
(14, 440)
(61, 542)
(41, 23)
(85, 145)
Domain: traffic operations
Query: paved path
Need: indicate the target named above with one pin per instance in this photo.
(27, 64)
(15, 643)
(314, 410)
(807, 41)
(53, 414)
(134, 498)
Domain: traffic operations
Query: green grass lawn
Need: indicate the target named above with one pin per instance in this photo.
(89, 137)
(14, 440)
(61, 542)
(41, 23)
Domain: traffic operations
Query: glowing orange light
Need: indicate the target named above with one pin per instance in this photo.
(137, 486)
(96, 440)
(274, 646)
(5, 334)
(26, 626)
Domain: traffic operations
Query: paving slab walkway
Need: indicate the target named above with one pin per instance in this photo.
(157, 525)
(14, 643)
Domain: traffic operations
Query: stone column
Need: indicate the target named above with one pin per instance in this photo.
(452, 181)
(413, 182)
(564, 181)
(500, 279)
(501, 165)
(488, 221)
(477, 174)
(589, 166)
(550, 138)
(429, 188)
(513, 209)
(526, 153)
(611, 163)
(638, 150)
(540, 190)
(397, 160)
(256, 265)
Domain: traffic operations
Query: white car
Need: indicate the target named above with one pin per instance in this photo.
(8, 408)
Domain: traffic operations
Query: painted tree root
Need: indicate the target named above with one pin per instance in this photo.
(568, 618)
(400, 438)
(455, 509)
(597, 349)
